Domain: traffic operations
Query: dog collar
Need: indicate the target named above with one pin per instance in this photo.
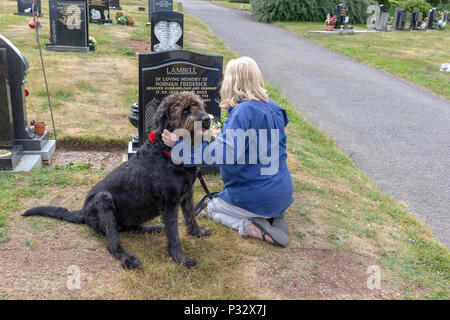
(152, 139)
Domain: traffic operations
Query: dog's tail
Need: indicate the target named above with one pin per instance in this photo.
(56, 212)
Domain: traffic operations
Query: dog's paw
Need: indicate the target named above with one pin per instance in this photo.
(182, 259)
(188, 262)
(131, 262)
(202, 232)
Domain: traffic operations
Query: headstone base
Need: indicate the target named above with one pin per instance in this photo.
(348, 31)
(131, 149)
(57, 48)
(26, 14)
(46, 152)
(9, 163)
(102, 21)
(37, 143)
(29, 162)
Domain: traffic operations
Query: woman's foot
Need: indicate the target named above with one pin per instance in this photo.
(277, 236)
(253, 231)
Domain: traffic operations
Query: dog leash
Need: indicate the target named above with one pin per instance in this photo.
(209, 195)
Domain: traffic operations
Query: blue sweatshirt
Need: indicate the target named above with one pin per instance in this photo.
(254, 178)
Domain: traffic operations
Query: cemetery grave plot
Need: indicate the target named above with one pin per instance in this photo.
(158, 5)
(99, 11)
(24, 7)
(115, 4)
(21, 146)
(69, 27)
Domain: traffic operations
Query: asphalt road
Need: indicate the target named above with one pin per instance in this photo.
(397, 133)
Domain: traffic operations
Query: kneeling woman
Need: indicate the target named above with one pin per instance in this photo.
(256, 193)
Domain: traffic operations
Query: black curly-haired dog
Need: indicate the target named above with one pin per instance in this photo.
(146, 186)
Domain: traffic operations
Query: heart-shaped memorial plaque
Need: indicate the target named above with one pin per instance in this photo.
(167, 33)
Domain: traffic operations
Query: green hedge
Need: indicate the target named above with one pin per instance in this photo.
(307, 10)
(240, 1)
(440, 4)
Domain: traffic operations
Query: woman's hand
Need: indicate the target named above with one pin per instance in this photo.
(168, 138)
(215, 132)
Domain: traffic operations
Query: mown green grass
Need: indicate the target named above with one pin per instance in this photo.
(231, 5)
(358, 214)
(413, 56)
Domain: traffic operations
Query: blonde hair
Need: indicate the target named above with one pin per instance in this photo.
(242, 81)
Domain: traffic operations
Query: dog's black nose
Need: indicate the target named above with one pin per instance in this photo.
(206, 121)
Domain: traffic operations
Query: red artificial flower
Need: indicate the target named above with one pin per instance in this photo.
(152, 137)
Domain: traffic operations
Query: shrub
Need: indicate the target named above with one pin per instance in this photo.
(307, 10)
(440, 4)
(413, 5)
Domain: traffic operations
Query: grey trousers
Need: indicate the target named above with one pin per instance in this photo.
(231, 216)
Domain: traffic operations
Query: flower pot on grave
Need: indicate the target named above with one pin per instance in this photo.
(130, 23)
(39, 127)
(329, 28)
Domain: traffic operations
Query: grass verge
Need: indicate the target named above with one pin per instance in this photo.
(231, 5)
(413, 56)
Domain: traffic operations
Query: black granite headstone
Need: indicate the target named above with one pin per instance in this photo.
(24, 7)
(16, 69)
(150, 7)
(162, 5)
(99, 11)
(416, 20)
(115, 4)
(9, 153)
(168, 72)
(433, 18)
(400, 19)
(6, 129)
(341, 14)
(69, 27)
(167, 31)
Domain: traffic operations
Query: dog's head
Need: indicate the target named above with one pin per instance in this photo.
(181, 111)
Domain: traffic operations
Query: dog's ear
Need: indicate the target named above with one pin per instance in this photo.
(162, 117)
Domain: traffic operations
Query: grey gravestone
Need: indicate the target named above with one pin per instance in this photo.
(24, 7)
(433, 18)
(167, 30)
(416, 20)
(99, 11)
(400, 19)
(382, 18)
(15, 66)
(115, 4)
(445, 16)
(69, 27)
(9, 153)
(167, 72)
